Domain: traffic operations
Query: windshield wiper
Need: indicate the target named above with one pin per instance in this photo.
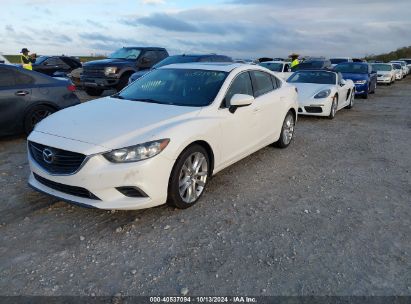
(148, 100)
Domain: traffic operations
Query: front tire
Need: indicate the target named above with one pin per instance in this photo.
(287, 131)
(35, 115)
(189, 177)
(94, 91)
(123, 82)
(334, 107)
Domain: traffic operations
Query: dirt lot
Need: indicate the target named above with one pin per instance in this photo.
(330, 215)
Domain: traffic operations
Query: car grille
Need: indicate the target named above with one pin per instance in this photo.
(93, 72)
(61, 162)
(72, 190)
(313, 109)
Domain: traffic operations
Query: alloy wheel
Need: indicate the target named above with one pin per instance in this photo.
(193, 177)
(38, 116)
(288, 129)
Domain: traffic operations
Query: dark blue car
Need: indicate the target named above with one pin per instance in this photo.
(361, 73)
(26, 97)
(182, 59)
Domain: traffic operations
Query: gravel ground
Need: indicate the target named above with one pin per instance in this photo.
(330, 215)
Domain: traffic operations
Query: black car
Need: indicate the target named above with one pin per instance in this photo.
(183, 59)
(114, 72)
(316, 64)
(26, 97)
(50, 65)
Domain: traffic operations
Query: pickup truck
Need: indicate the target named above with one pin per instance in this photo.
(114, 72)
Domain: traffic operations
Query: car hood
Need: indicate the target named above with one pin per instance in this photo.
(383, 72)
(108, 62)
(114, 123)
(354, 76)
(308, 90)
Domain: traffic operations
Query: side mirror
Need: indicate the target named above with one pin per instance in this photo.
(240, 100)
(342, 83)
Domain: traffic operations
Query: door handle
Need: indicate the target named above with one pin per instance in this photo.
(256, 110)
(22, 93)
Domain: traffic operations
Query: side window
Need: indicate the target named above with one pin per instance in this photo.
(240, 85)
(286, 68)
(276, 82)
(23, 79)
(7, 78)
(262, 83)
(162, 55)
(152, 56)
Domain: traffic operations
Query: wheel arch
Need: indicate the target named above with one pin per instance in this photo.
(208, 149)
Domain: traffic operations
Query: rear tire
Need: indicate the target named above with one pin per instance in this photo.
(189, 177)
(287, 131)
(94, 91)
(351, 104)
(35, 115)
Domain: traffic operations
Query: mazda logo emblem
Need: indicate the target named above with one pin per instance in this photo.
(48, 156)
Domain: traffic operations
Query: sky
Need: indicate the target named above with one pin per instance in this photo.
(238, 28)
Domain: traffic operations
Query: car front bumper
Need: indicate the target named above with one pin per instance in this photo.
(102, 178)
(315, 107)
(383, 80)
(361, 88)
(100, 83)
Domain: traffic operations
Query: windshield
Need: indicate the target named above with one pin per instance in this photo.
(275, 67)
(382, 67)
(397, 66)
(353, 68)
(319, 77)
(309, 65)
(175, 59)
(408, 61)
(338, 60)
(180, 87)
(125, 53)
(41, 59)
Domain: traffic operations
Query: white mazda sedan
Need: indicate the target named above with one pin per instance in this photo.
(322, 92)
(162, 137)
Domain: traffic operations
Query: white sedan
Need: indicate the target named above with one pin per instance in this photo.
(385, 72)
(280, 68)
(162, 137)
(322, 93)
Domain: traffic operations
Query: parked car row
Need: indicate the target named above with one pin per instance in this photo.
(176, 124)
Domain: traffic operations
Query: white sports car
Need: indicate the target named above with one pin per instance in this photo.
(162, 137)
(322, 93)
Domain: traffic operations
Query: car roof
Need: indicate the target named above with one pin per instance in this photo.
(275, 61)
(145, 48)
(317, 70)
(356, 63)
(211, 66)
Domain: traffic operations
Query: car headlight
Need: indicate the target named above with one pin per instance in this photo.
(137, 152)
(361, 82)
(323, 94)
(110, 70)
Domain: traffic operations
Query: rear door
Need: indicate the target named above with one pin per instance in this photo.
(15, 96)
